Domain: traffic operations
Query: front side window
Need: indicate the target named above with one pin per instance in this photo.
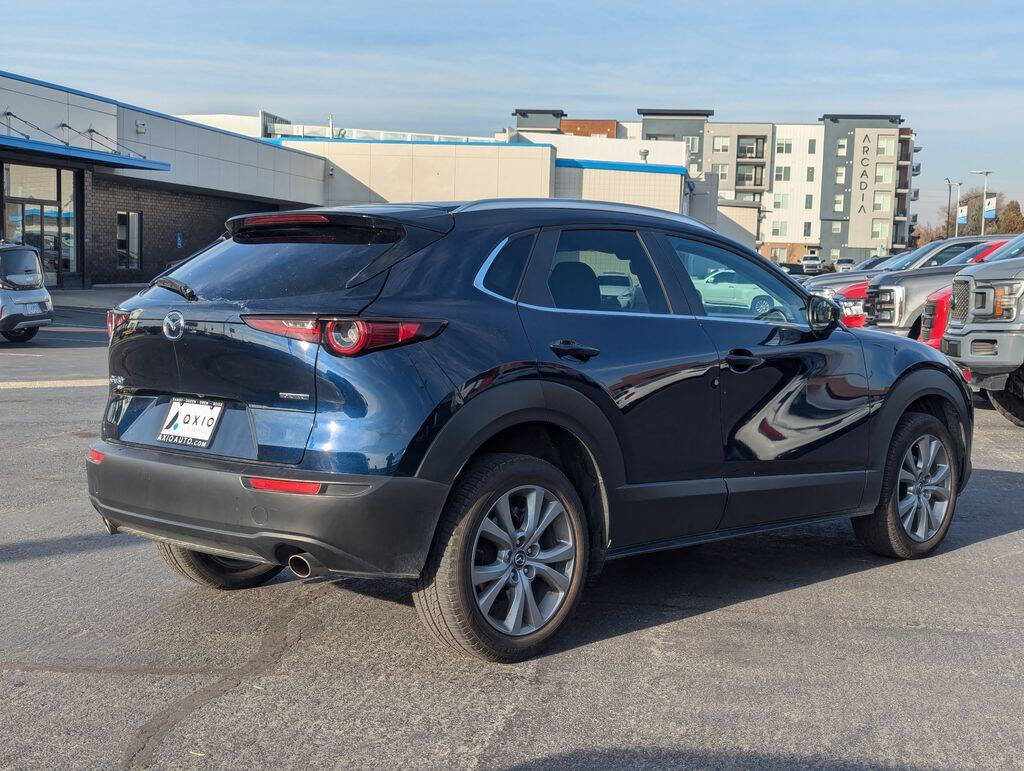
(602, 270)
(947, 254)
(503, 275)
(731, 286)
(129, 240)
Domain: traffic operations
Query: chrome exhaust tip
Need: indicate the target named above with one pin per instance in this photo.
(305, 565)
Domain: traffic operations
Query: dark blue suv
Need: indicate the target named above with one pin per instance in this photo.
(449, 394)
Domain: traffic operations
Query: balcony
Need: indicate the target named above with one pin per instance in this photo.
(915, 169)
(749, 154)
(915, 194)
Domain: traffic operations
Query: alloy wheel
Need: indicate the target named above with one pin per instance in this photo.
(523, 557)
(924, 489)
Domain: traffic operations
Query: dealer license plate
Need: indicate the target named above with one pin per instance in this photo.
(190, 422)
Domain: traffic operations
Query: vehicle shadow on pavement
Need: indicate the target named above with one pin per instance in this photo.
(42, 548)
(641, 592)
(672, 758)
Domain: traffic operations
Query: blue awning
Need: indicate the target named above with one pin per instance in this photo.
(57, 151)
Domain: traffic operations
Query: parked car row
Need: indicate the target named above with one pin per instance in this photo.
(962, 296)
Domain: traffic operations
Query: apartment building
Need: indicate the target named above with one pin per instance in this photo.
(740, 154)
(791, 226)
(866, 185)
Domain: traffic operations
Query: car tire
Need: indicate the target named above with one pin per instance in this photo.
(456, 598)
(21, 335)
(761, 305)
(1010, 402)
(214, 571)
(904, 524)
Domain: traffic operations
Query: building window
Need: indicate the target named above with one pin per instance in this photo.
(779, 227)
(749, 197)
(782, 173)
(809, 201)
(749, 174)
(883, 173)
(129, 240)
(812, 146)
(810, 173)
(881, 202)
(721, 169)
(750, 147)
(692, 143)
(833, 254)
(807, 230)
(879, 228)
(886, 144)
(720, 144)
(837, 227)
(780, 201)
(778, 253)
(841, 146)
(784, 146)
(838, 202)
(840, 175)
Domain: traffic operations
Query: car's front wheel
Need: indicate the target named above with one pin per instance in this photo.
(509, 559)
(214, 571)
(21, 335)
(920, 484)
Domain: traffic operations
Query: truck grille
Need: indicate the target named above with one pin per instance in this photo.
(960, 303)
(870, 306)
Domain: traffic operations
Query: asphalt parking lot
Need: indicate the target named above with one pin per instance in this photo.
(798, 648)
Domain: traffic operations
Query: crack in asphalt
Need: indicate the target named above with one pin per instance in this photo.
(141, 750)
(99, 669)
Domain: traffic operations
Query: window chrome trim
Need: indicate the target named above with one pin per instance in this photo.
(605, 313)
(478, 281)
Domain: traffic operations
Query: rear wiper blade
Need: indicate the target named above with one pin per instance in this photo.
(176, 286)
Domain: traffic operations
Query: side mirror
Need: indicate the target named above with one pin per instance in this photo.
(822, 314)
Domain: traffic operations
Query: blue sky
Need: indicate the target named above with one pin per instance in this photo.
(954, 70)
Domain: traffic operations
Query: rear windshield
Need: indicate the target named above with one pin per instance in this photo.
(263, 264)
(20, 266)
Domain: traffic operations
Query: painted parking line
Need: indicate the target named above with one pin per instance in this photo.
(10, 385)
(8, 353)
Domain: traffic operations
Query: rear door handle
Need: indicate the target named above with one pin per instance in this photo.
(570, 349)
(742, 360)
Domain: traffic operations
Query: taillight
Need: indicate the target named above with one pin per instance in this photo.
(297, 328)
(283, 485)
(115, 318)
(94, 456)
(351, 337)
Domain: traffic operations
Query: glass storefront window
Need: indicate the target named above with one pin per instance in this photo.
(68, 244)
(35, 182)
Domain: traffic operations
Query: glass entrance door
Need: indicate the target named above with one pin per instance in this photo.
(39, 210)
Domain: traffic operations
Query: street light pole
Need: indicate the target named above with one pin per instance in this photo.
(984, 197)
(949, 202)
(956, 229)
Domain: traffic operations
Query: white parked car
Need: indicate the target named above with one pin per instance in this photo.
(844, 264)
(726, 287)
(616, 286)
(25, 305)
(811, 263)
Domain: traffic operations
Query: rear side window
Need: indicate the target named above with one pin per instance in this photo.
(947, 254)
(20, 267)
(507, 267)
(266, 263)
(602, 270)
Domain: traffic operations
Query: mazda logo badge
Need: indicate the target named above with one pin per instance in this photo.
(174, 325)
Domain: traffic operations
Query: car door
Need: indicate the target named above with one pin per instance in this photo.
(794, 405)
(651, 373)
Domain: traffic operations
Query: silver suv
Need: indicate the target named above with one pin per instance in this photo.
(25, 305)
(985, 334)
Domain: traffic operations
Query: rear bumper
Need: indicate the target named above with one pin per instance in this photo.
(358, 525)
(15, 321)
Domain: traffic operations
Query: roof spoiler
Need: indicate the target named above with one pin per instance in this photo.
(421, 226)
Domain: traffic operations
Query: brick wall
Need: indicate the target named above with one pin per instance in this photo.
(165, 213)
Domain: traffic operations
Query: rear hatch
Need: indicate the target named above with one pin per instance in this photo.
(20, 270)
(218, 357)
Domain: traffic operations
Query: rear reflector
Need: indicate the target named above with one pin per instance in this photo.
(284, 485)
(284, 219)
(297, 328)
(94, 456)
